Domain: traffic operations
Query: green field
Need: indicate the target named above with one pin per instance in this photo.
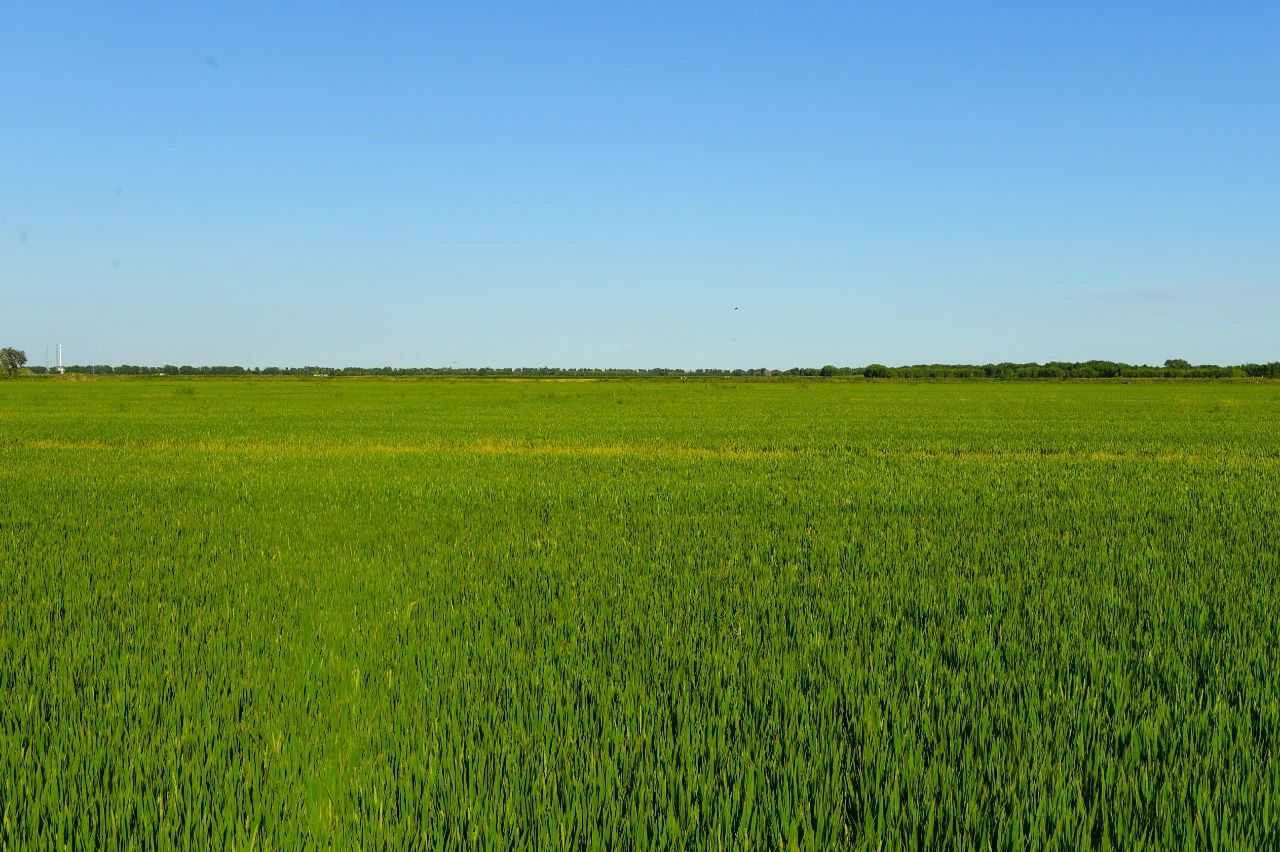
(660, 614)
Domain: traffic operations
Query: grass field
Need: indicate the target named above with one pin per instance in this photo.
(602, 615)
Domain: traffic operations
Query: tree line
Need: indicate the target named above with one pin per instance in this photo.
(1174, 368)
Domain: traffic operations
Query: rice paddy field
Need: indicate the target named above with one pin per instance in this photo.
(398, 614)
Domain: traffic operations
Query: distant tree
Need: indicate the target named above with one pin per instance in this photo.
(876, 371)
(11, 360)
(1177, 364)
(828, 370)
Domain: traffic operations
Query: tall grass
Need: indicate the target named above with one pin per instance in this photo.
(399, 614)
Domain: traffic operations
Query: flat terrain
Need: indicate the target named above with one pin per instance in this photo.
(662, 614)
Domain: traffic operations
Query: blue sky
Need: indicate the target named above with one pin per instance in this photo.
(685, 185)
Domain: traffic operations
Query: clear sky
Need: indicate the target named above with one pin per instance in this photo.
(639, 185)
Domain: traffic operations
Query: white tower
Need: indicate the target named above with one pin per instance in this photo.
(61, 369)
